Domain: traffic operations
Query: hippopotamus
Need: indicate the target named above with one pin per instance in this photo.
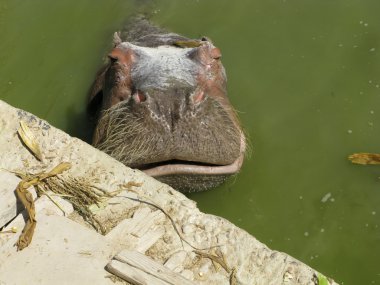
(162, 107)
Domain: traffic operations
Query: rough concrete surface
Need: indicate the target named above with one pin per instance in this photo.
(65, 250)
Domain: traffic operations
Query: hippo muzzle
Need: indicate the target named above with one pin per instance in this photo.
(163, 109)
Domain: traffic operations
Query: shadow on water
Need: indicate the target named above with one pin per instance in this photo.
(81, 124)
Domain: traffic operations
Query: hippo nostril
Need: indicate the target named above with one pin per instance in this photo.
(139, 96)
(215, 53)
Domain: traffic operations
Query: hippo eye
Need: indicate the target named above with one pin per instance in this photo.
(112, 59)
(113, 56)
(124, 56)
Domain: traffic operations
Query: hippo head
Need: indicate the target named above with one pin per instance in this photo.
(163, 109)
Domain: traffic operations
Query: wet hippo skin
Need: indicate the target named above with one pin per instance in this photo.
(162, 107)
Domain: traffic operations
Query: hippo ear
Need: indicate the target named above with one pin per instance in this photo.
(95, 96)
(116, 39)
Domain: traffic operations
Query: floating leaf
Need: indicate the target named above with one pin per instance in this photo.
(29, 140)
(365, 158)
(322, 280)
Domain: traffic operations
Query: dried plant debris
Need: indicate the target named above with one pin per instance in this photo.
(78, 191)
(215, 258)
(82, 195)
(218, 258)
(40, 190)
(29, 140)
(365, 158)
(26, 199)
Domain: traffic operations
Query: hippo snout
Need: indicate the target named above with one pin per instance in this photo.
(162, 108)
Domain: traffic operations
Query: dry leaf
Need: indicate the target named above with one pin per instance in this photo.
(29, 140)
(63, 166)
(365, 158)
(26, 199)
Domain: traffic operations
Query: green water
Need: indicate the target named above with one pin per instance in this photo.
(305, 76)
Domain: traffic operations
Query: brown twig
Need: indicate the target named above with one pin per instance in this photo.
(171, 220)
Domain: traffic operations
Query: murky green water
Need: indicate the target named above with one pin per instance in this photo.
(305, 76)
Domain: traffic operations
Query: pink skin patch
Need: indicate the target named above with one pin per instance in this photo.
(124, 60)
(198, 96)
(215, 53)
(139, 96)
(125, 57)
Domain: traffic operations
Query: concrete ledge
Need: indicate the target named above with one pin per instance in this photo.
(64, 251)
